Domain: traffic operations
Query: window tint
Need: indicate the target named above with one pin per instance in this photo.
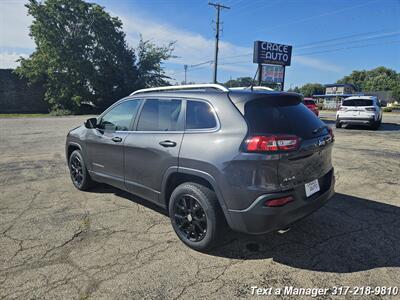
(160, 115)
(120, 117)
(199, 115)
(358, 102)
(309, 102)
(281, 116)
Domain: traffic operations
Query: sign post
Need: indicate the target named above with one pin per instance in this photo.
(274, 54)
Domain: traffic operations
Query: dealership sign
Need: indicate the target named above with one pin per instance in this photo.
(272, 53)
(273, 74)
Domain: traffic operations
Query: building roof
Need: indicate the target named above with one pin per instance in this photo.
(361, 97)
(336, 95)
(340, 85)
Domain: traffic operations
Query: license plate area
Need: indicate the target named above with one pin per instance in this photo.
(312, 187)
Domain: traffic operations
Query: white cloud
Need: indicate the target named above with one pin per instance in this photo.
(190, 47)
(14, 23)
(9, 60)
(316, 63)
(193, 48)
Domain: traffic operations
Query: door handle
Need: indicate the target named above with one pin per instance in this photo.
(117, 139)
(167, 144)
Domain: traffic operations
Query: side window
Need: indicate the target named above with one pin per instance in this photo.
(119, 118)
(199, 115)
(160, 115)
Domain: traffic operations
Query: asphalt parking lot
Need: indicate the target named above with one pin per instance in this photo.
(57, 242)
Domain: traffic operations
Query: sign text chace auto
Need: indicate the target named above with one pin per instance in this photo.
(272, 53)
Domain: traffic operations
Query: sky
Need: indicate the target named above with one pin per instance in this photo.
(330, 38)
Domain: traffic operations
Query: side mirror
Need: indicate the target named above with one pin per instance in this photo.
(91, 123)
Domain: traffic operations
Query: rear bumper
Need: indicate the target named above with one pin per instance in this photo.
(358, 121)
(259, 219)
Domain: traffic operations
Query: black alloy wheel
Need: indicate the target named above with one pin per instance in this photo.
(79, 174)
(190, 218)
(196, 216)
(76, 170)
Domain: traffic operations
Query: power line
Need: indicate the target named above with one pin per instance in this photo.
(218, 6)
(352, 47)
(255, 7)
(246, 5)
(317, 16)
(376, 37)
(313, 53)
(385, 34)
(195, 66)
(325, 51)
(343, 37)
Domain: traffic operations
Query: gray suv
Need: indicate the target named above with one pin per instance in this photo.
(254, 160)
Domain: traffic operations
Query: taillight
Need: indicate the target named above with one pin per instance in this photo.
(330, 130)
(370, 108)
(272, 143)
(279, 201)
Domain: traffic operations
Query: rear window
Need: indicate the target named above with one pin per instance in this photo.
(358, 102)
(309, 102)
(280, 116)
(199, 115)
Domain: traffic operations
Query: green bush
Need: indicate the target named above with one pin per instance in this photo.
(387, 109)
(60, 112)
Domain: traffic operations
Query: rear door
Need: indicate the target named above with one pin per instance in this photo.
(285, 115)
(154, 146)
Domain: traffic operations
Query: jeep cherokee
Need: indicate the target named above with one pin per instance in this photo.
(255, 160)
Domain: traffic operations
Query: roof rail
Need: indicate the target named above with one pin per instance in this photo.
(182, 87)
(256, 87)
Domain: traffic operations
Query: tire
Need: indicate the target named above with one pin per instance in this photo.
(193, 209)
(375, 125)
(79, 174)
(338, 124)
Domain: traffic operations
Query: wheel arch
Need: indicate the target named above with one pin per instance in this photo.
(175, 176)
(71, 147)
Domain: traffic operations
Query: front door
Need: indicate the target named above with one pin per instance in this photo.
(105, 143)
(154, 147)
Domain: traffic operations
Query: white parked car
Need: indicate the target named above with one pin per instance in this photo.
(360, 110)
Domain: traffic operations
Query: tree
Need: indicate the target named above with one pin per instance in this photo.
(378, 79)
(356, 78)
(296, 89)
(82, 56)
(247, 81)
(310, 89)
(149, 64)
(241, 81)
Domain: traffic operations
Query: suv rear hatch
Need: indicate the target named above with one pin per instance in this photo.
(356, 108)
(303, 142)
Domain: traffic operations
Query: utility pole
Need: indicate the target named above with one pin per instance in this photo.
(218, 6)
(185, 67)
